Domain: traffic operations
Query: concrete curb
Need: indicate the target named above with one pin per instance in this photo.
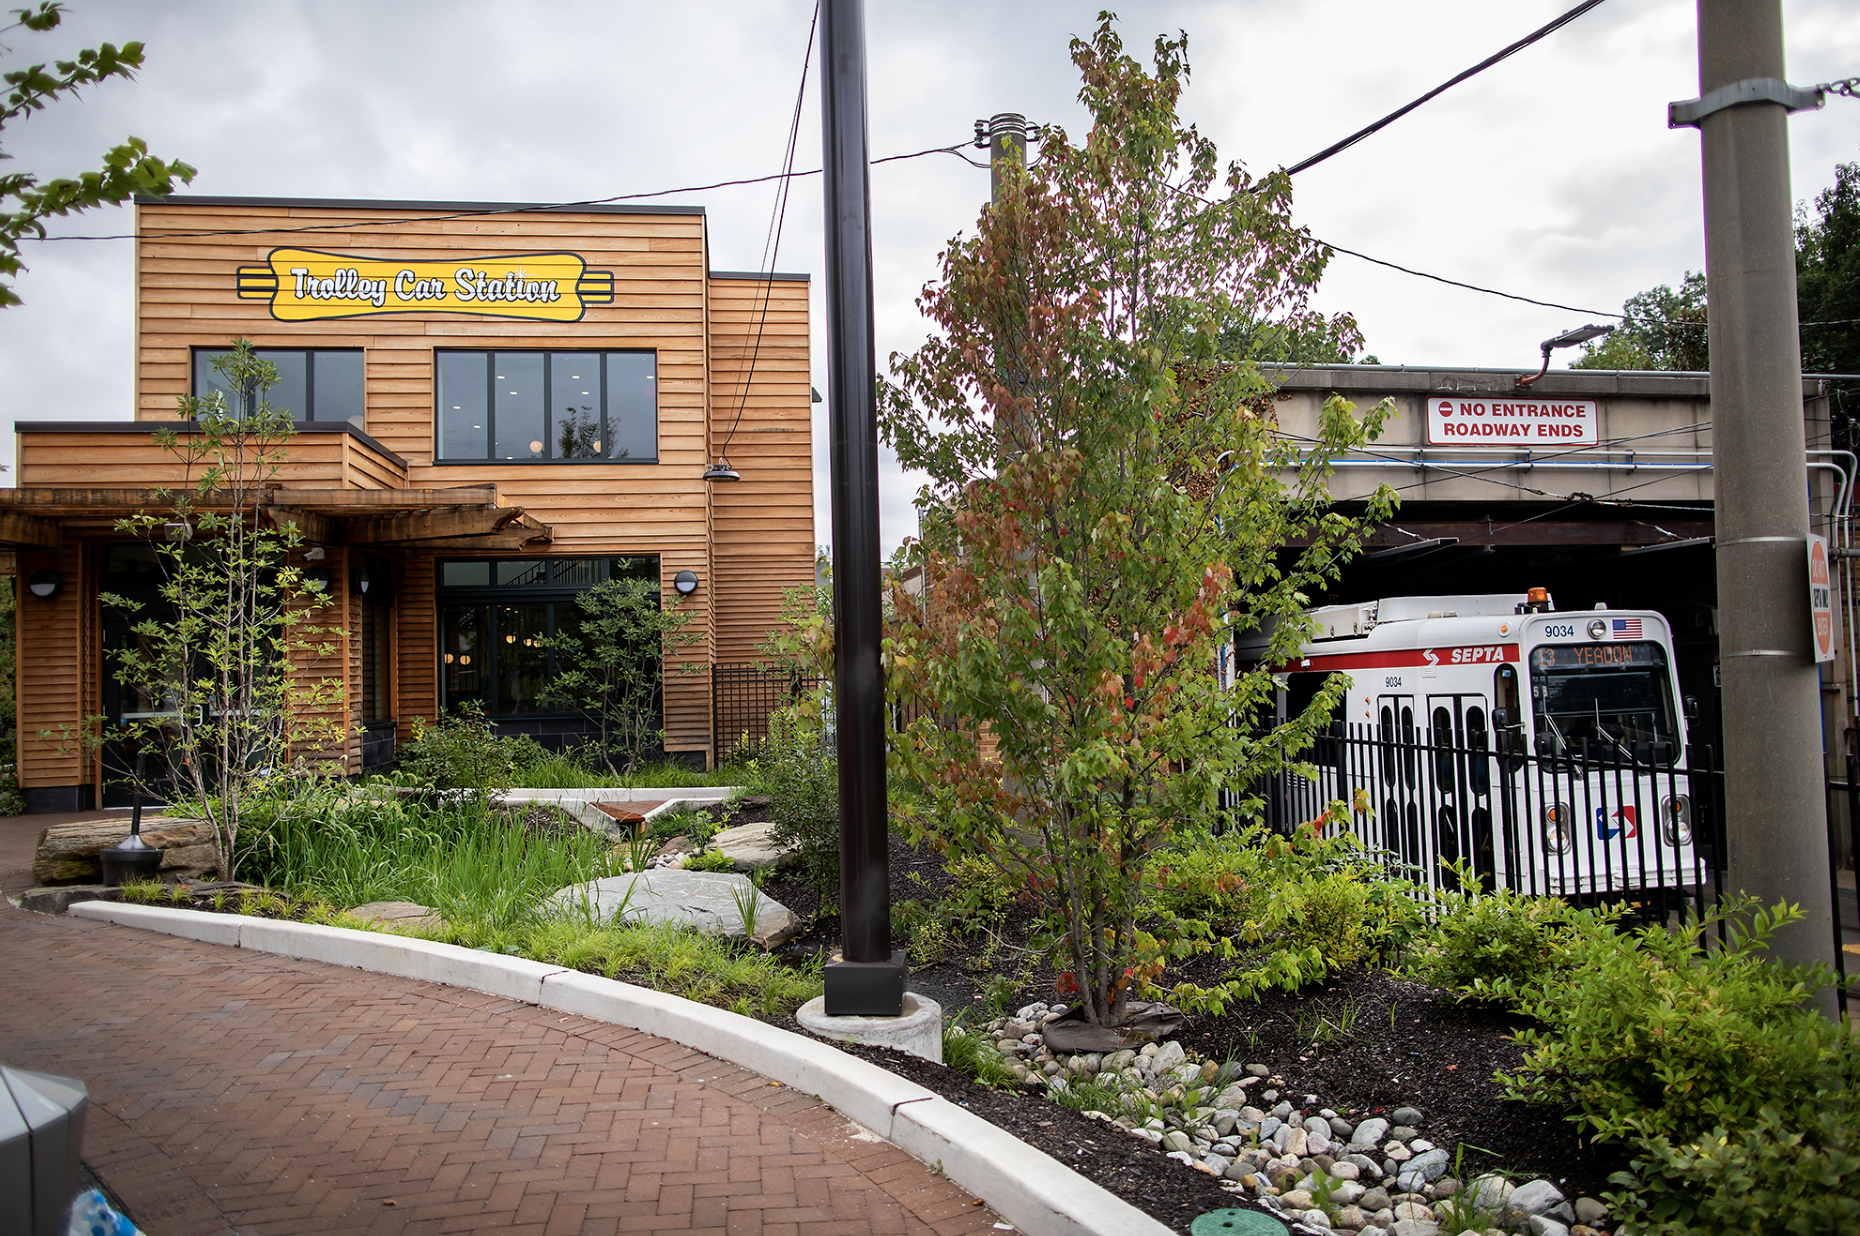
(1028, 1188)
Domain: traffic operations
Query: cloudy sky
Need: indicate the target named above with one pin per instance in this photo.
(1552, 175)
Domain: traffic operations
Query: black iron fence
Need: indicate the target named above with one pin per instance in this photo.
(742, 698)
(1636, 824)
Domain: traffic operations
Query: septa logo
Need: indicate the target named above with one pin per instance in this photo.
(1431, 657)
(1607, 827)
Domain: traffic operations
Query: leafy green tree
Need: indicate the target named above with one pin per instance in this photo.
(1107, 495)
(1827, 276)
(1665, 329)
(609, 666)
(231, 682)
(128, 169)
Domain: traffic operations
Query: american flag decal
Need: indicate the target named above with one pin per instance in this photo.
(1627, 628)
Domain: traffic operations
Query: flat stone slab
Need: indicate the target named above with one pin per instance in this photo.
(61, 897)
(397, 914)
(706, 900)
(751, 846)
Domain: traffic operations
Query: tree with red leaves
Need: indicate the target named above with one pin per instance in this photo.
(1108, 500)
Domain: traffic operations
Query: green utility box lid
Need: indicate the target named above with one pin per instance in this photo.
(1236, 1223)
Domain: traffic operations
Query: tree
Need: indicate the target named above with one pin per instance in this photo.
(128, 169)
(228, 684)
(609, 665)
(1827, 276)
(1107, 496)
(1663, 329)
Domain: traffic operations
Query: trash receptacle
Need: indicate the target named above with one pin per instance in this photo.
(41, 1135)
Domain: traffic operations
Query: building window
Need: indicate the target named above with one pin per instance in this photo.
(546, 407)
(496, 616)
(314, 384)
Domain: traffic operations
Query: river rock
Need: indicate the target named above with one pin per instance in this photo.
(706, 900)
(1536, 1198)
(1170, 1055)
(1424, 1167)
(1369, 1134)
(1489, 1193)
(1544, 1225)
(1351, 1217)
(67, 853)
(1414, 1227)
(1407, 1115)
(1590, 1211)
(1374, 1200)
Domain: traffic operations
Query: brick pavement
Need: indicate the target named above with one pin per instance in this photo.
(241, 1092)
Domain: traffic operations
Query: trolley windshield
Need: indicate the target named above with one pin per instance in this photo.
(1604, 700)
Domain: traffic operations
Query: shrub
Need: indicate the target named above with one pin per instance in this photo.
(462, 751)
(1770, 1175)
(972, 1055)
(802, 780)
(1654, 1035)
(1483, 938)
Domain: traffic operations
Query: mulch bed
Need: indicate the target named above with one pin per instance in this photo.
(1435, 1054)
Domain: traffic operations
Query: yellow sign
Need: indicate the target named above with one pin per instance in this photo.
(306, 286)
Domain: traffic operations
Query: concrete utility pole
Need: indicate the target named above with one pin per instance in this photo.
(1005, 134)
(868, 977)
(1774, 796)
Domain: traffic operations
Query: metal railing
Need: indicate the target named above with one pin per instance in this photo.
(743, 696)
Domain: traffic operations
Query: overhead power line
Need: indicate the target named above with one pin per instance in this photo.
(1442, 88)
(1471, 287)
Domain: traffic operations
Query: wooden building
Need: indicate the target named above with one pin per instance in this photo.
(497, 406)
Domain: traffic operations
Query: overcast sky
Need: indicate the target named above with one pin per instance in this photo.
(1553, 175)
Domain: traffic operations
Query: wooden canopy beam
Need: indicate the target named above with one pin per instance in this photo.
(29, 531)
(441, 525)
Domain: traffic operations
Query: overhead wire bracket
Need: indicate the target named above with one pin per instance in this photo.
(1692, 112)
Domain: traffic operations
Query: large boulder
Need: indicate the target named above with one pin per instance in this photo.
(751, 846)
(707, 900)
(67, 853)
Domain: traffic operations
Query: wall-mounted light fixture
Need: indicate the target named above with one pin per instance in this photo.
(315, 553)
(320, 580)
(685, 582)
(44, 584)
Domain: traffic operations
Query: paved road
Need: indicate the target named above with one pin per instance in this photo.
(241, 1092)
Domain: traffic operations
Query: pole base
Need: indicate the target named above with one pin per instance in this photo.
(866, 988)
(918, 1030)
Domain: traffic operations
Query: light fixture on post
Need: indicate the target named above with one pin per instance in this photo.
(1568, 339)
(44, 584)
(685, 583)
(722, 471)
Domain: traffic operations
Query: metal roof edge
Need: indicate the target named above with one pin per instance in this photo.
(764, 276)
(346, 203)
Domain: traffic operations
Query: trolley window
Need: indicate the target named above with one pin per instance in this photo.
(1610, 699)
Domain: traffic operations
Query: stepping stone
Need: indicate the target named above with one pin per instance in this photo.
(751, 846)
(705, 900)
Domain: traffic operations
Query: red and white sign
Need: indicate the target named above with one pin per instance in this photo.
(1821, 597)
(1459, 421)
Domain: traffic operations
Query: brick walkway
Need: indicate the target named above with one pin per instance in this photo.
(241, 1092)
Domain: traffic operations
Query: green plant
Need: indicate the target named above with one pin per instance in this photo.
(610, 661)
(695, 826)
(1480, 938)
(1656, 1034)
(1106, 504)
(142, 891)
(998, 994)
(640, 847)
(223, 675)
(128, 169)
(710, 860)
(1319, 1023)
(463, 752)
(748, 904)
(1774, 1173)
(801, 778)
(974, 1056)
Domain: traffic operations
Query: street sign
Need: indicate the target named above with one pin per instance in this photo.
(1485, 421)
(1821, 597)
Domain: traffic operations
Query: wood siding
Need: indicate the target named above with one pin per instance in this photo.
(763, 537)
(53, 692)
(74, 459)
(747, 542)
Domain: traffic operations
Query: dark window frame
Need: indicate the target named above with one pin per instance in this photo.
(193, 378)
(548, 409)
(489, 597)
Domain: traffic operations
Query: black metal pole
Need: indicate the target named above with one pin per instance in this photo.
(867, 979)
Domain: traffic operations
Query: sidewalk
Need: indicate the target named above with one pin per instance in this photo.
(242, 1092)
